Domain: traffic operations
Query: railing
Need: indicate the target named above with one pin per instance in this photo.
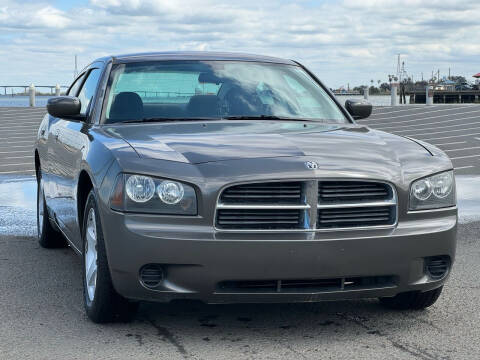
(31, 90)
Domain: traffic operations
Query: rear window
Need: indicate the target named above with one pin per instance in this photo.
(163, 86)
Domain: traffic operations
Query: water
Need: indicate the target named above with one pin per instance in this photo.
(375, 100)
(22, 101)
(18, 214)
(18, 206)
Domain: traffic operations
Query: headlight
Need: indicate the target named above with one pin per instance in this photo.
(170, 192)
(144, 194)
(433, 192)
(140, 188)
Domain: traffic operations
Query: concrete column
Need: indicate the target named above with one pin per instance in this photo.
(393, 94)
(31, 91)
(429, 95)
(57, 90)
(366, 93)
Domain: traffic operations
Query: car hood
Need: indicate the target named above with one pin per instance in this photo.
(203, 142)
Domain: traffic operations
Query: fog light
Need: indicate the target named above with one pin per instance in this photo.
(437, 267)
(152, 275)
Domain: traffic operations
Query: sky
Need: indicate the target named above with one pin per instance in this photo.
(343, 42)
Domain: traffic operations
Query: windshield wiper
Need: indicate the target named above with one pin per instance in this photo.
(166, 119)
(263, 117)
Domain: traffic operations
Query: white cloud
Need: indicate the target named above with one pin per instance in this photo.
(343, 42)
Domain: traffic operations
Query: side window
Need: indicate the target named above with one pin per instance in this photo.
(88, 90)
(74, 88)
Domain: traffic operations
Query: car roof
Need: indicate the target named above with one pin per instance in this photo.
(197, 55)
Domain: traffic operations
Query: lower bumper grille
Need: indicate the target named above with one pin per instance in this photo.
(306, 285)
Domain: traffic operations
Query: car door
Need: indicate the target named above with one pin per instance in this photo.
(52, 167)
(69, 145)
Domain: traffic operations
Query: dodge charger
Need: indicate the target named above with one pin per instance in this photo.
(236, 178)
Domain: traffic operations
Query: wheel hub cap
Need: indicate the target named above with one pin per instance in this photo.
(40, 208)
(91, 255)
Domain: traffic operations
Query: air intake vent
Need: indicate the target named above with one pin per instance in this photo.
(349, 191)
(263, 193)
(259, 218)
(306, 285)
(437, 266)
(152, 275)
(356, 216)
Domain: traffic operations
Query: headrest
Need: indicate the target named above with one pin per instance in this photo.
(203, 105)
(126, 106)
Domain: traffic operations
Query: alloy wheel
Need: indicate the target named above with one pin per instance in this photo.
(91, 255)
(40, 209)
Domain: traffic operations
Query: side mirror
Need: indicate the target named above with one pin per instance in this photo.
(65, 107)
(359, 109)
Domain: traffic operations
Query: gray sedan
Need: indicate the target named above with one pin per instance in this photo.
(236, 178)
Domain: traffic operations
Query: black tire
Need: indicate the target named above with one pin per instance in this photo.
(107, 305)
(412, 300)
(48, 236)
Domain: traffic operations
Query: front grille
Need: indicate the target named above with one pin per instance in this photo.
(355, 217)
(259, 218)
(306, 205)
(264, 193)
(348, 191)
(306, 285)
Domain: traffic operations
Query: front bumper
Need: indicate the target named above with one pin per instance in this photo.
(197, 259)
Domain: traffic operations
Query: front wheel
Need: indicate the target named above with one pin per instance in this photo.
(412, 300)
(102, 303)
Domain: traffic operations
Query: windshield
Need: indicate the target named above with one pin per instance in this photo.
(166, 90)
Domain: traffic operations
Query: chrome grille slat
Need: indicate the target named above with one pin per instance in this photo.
(353, 216)
(356, 204)
(308, 205)
(367, 194)
(359, 220)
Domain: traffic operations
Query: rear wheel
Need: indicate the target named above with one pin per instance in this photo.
(48, 237)
(102, 303)
(412, 300)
